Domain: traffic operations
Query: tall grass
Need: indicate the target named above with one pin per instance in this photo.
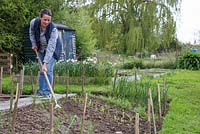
(135, 91)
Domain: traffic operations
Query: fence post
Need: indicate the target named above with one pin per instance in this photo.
(15, 110)
(137, 123)
(6, 61)
(159, 106)
(21, 80)
(165, 96)
(10, 66)
(67, 84)
(1, 78)
(83, 80)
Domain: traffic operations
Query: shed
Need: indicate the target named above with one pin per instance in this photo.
(67, 36)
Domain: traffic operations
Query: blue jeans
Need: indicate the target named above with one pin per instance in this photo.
(43, 86)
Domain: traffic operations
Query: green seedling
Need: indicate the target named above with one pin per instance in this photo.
(57, 122)
(115, 118)
(72, 120)
(90, 103)
(102, 109)
(90, 128)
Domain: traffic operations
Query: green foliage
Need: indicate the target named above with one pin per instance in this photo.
(150, 63)
(120, 102)
(133, 64)
(134, 91)
(184, 93)
(12, 20)
(165, 64)
(102, 72)
(141, 110)
(189, 61)
(125, 26)
(31, 67)
(79, 19)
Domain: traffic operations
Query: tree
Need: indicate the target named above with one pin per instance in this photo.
(139, 25)
(79, 19)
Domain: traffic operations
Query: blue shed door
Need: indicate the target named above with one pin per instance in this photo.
(69, 44)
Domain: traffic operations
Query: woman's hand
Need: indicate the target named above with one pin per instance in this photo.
(44, 67)
(34, 47)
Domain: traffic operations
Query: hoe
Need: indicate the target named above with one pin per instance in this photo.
(48, 83)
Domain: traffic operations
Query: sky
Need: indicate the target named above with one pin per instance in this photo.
(188, 25)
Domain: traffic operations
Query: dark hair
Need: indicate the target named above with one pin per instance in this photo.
(45, 11)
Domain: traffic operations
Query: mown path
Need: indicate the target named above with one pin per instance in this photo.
(184, 111)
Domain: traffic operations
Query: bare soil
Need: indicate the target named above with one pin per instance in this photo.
(100, 118)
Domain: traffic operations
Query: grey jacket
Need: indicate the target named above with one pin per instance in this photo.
(47, 48)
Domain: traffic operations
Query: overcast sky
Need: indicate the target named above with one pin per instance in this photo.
(188, 26)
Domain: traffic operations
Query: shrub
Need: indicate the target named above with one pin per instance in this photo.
(31, 67)
(189, 61)
(133, 64)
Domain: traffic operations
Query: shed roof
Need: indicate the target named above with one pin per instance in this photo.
(63, 27)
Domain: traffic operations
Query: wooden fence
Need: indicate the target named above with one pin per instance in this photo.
(6, 62)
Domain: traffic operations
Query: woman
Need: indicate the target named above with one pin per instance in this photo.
(44, 38)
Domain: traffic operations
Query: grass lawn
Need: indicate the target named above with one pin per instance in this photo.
(184, 111)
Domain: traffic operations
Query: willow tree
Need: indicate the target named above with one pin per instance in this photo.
(134, 25)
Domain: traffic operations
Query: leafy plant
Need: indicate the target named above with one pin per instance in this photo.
(133, 64)
(134, 91)
(189, 61)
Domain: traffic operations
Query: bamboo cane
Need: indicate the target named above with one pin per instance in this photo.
(159, 106)
(15, 110)
(152, 111)
(84, 110)
(137, 123)
(149, 116)
(1, 78)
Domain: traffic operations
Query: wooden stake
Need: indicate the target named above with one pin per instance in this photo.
(51, 118)
(67, 83)
(152, 111)
(149, 116)
(1, 78)
(115, 78)
(32, 83)
(15, 110)
(137, 123)
(165, 97)
(159, 106)
(38, 77)
(84, 111)
(85, 106)
(21, 80)
(12, 93)
(83, 80)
